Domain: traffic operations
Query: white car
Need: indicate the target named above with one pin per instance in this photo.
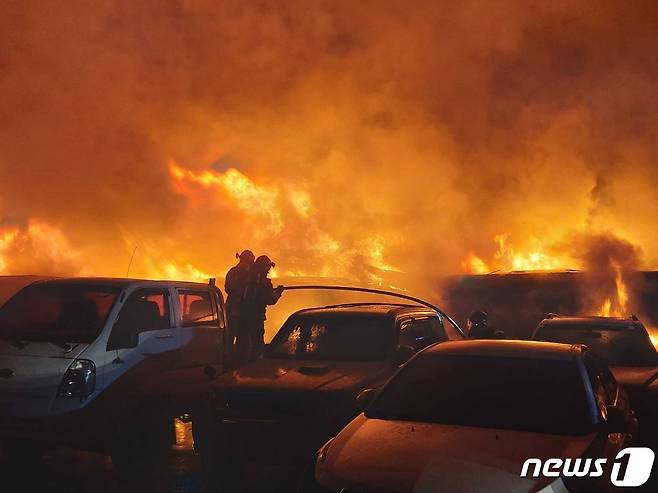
(465, 416)
(105, 364)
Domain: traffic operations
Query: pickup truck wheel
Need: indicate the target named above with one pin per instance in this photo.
(142, 445)
(23, 453)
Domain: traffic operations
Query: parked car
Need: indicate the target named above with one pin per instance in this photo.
(282, 407)
(624, 344)
(105, 364)
(465, 416)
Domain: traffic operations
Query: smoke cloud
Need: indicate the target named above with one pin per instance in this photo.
(367, 140)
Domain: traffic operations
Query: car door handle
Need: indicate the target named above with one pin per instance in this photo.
(165, 336)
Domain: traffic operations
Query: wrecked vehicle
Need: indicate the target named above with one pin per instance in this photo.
(105, 364)
(301, 391)
(466, 416)
(625, 345)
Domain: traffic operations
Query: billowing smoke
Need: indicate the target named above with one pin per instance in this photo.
(377, 141)
(612, 282)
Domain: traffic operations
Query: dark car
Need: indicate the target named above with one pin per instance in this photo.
(282, 407)
(624, 344)
(467, 416)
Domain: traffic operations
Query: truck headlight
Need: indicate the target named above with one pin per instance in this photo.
(79, 380)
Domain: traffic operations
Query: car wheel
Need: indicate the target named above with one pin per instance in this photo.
(142, 445)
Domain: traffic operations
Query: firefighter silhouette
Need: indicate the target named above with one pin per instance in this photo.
(258, 295)
(235, 286)
(479, 326)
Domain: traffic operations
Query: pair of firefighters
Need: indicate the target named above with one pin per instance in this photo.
(249, 292)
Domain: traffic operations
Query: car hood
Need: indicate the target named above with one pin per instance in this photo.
(407, 457)
(305, 375)
(279, 384)
(630, 376)
(32, 375)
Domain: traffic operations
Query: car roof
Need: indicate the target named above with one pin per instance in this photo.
(508, 349)
(373, 309)
(117, 281)
(593, 322)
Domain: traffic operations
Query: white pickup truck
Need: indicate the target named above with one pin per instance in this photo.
(105, 364)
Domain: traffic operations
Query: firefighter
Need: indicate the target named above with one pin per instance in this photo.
(235, 286)
(479, 326)
(259, 294)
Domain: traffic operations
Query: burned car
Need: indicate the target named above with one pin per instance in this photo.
(625, 345)
(301, 391)
(466, 416)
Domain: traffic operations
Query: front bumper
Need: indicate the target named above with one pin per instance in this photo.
(84, 428)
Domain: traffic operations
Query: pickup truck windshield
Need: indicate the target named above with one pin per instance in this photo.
(544, 396)
(619, 346)
(58, 312)
(336, 336)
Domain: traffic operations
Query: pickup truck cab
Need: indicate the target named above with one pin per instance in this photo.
(105, 364)
(280, 408)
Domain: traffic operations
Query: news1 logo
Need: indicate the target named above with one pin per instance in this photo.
(632, 467)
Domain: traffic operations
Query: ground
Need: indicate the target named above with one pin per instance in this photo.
(69, 471)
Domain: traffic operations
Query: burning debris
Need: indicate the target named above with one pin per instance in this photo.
(610, 264)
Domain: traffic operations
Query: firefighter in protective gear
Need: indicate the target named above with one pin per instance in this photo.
(479, 326)
(259, 294)
(237, 279)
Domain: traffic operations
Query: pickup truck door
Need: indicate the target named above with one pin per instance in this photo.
(201, 333)
(144, 366)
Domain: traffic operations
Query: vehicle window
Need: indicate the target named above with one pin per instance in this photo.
(545, 396)
(618, 347)
(221, 314)
(600, 396)
(600, 376)
(437, 329)
(418, 333)
(196, 307)
(334, 337)
(57, 311)
(145, 310)
(451, 331)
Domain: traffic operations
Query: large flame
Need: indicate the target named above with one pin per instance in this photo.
(532, 256)
(378, 144)
(616, 305)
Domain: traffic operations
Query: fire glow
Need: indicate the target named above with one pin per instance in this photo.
(315, 139)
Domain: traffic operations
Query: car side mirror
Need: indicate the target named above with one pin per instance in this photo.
(365, 397)
(616, 420)
(404, 354)
(122, 337)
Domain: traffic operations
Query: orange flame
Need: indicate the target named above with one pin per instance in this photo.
(531, 256)
(616, 306)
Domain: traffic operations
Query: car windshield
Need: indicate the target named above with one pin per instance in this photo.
(618, 346)
(536, 395)
(351, 337)
(58, 312)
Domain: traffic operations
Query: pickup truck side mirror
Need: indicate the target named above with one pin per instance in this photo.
(364, 398)
(123, 336)
(404, 354)
(617, 420)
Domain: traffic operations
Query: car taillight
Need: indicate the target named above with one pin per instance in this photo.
(79, 380)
